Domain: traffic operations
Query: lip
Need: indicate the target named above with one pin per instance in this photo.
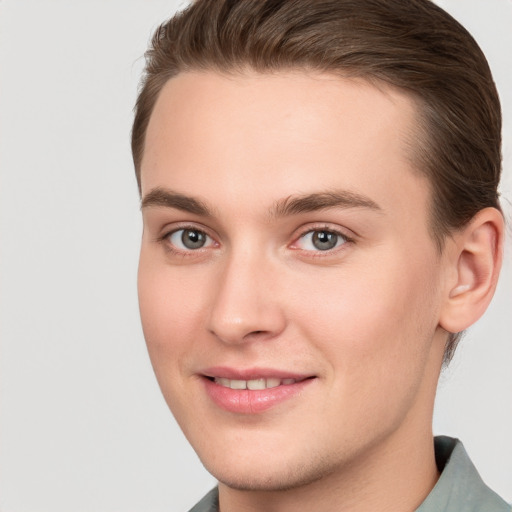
(251, 373)
(245, 401)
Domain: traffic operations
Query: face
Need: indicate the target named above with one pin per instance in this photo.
(288, 281)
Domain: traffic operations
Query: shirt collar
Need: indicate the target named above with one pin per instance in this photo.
(459, 487)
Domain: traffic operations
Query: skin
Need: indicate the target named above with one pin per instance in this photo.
(364, 319)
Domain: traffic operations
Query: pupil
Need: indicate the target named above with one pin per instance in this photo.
(324, 240)
(193, 239)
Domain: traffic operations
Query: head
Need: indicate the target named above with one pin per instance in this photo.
(413, 46)
(318, 181)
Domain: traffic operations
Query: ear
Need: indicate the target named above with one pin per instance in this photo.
(475, 265)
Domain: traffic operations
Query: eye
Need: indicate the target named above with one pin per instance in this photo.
(320, 240)
(188, 239)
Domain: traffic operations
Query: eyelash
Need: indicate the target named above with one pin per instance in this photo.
(170, 247)
(345, 239)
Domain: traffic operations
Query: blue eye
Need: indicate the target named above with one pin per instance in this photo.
(321, 240)
(189, 239)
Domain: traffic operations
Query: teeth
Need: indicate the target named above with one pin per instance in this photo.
(256, 384)
(238, 384)
(223, 382)
(253, 384)
(273, 383)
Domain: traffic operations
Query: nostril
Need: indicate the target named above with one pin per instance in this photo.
(236, 321)
(254, 335)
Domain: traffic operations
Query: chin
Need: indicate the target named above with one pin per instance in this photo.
(265, 475)
(269, 482)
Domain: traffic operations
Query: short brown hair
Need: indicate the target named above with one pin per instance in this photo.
(410, 44)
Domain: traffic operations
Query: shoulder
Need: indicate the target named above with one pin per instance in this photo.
(460, 487)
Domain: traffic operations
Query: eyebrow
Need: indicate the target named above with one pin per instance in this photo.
(169, 199)
(294, 205)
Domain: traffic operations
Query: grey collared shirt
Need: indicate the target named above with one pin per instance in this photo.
(459, 488)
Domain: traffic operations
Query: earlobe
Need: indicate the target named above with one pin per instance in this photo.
(477, 263)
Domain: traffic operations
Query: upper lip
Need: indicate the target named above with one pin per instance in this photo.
(251, 373)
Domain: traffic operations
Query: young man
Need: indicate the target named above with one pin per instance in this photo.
(321, 221)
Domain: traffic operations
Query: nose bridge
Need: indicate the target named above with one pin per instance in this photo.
(245, 305)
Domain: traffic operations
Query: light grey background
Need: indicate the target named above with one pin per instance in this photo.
(83, 424)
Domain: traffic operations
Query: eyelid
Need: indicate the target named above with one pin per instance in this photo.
(347, 235)
(176, 226)
(164, 238)
(341, 232)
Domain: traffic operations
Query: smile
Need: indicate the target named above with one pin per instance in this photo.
(254, 384)
(252, 392)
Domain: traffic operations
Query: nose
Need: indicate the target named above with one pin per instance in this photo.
(245, 306)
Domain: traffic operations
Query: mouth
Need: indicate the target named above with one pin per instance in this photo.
(253, 392)
(255, 384)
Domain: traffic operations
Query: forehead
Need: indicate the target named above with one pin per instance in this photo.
(279, 134)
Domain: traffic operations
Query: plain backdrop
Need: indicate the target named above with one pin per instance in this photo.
(83, 425)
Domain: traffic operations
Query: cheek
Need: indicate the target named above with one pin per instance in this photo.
(379, 314)
(169, 315)
(375, 331)
(169, 309)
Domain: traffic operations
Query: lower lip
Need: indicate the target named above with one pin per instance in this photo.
(246, 401)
